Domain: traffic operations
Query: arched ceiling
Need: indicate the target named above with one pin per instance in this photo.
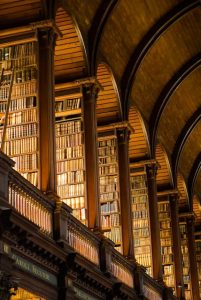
(154, 52)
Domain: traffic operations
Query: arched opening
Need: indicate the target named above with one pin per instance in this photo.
(197, 209)
(183, 194)
(164, 174)
(138, 143)
(70, 58)
(108, 107)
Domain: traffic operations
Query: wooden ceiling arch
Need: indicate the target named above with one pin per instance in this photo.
(70, 55)
(164, 177)
(139, 148)
(108, 106)
(146, 43)
(166, 93)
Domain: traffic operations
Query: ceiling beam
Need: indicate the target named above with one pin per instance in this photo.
(185, 133)
(96, 30)
(193, 176)
(166, 93)
(148, 40)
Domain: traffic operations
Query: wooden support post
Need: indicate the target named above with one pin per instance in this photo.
(192, 258)
(89, 91)
(176, 236)
(154, 222)
(46, 109)
(124, 180)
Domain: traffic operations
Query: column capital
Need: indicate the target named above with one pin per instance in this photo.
(90, 90)
(47, 38)
(151, 169)
(123, 135)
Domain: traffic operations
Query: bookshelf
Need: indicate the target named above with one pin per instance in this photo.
(22, 134)
(167, 255)
(185, 258)
(70, 158)
(198, 259)
(140, 217)
(109, 187)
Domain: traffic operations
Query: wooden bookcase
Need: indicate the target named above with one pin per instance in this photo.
(22, 134)
(140, 217)
(198, 259)
(109, 187)
(185, 258)
(166, 239)
(70, 152)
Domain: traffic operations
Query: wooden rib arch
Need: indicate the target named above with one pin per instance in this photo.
(70, 60)
(147, 42)
(138, 144)
(108, 107)
(164, 175)
(183, 193)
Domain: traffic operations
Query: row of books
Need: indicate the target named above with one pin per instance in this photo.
(166, 242)
(165, 224)
(67, 141)
(166, 250)
(163, 215)
(141, 242)
(143, 250)
(110, 169)
(26, 162)
(80, 214)
(114, 235)
(163, 207)
(20, 76)
(31, 209)
(23, 89)
(107, 151)
(71, 190)
(142, 214)
(70, 165)
(165, 233)
(110, 220)
(68, 127)
(21, 131)
(108, 188)
(139, 206)
(144, 259)
(21, 146)
(140, 223)
(71, 177)
(25, 116)
(141, 232)
(138, 192)
(82, 245)
(70, 153)
(108, 142)
(168, 270)
(17, 51)
(76, 202)
(137, 185)
(31, 176)
(120, 272)
(137, 199)
(19, 63)
(18, 104)
(107, 159)
(67, 104)
(108, 179)
(111, 196)
(110, 207)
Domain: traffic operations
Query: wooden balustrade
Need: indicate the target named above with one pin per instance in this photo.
(82, 240)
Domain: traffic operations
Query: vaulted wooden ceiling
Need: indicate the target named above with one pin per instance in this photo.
(153, 51)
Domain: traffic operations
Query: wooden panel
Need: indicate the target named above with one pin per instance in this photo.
(164, 176)
(197, 209)
(15, 13)
(183, 194)
(69, 52)
(138, 143)
(107, 108)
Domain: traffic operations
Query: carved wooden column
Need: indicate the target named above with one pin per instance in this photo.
(192, 258)
(176, 236)
(154, 222)
(46, 109)
(124, 181)
(90, 91)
